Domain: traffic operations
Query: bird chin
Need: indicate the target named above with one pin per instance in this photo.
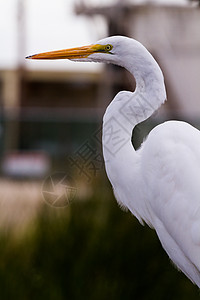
(81, 59)
(94, 57)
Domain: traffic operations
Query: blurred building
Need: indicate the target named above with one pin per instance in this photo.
(54, 112)
(49, 112)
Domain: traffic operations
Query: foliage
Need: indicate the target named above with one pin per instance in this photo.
(89, 250)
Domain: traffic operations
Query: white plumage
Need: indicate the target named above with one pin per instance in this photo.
(159, 183)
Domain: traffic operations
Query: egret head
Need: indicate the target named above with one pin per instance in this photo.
(119, 50)
(114, 49)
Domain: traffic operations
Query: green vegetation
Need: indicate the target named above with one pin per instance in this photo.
(89, 250)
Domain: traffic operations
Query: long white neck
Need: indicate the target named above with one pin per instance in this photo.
(128, 109)
(125, 111)
(131, 108)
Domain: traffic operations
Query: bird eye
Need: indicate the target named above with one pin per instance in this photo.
(108, 47)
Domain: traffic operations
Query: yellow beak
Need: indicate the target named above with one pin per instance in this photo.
(73, 53)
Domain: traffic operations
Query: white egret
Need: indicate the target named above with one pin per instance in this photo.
(160, 182)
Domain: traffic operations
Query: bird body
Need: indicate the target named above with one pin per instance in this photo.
(171, 177)
(159, 194)
(158, 183)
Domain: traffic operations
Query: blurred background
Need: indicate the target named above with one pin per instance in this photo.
(62, 235)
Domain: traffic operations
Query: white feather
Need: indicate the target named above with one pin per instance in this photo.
(159, 183)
